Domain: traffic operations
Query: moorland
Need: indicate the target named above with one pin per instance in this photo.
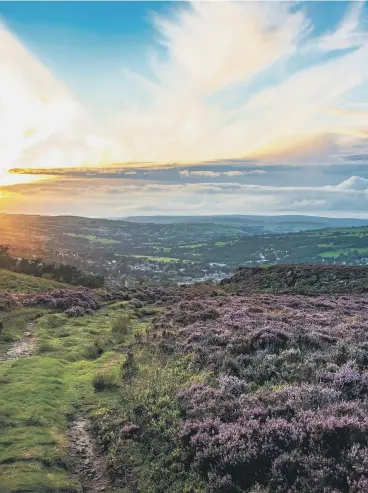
(254, 385)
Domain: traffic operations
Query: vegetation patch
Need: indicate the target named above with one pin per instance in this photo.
(14, 323)
(23, 283)
(40, 394)
(158, 259)
(343, 251)
(95, 239)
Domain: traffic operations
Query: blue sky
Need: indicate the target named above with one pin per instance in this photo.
(84, 40)
(200, 84)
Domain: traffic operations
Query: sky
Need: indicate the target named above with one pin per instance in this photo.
(111, 109)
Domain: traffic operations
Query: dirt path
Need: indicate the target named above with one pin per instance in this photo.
(23, 347)
(90, 466)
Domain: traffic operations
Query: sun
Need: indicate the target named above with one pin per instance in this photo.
(8, 179)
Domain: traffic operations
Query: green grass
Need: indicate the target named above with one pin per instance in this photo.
(79, 368)
(33, 414)
(14, 324)
(221, 243)
(94, 239)
(39, 394)
(22, 283)
(325, 245)
(165, 260)
(149, 399)
(158, 259)
(343, 251)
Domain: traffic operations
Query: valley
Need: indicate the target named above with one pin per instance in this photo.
(203, 249)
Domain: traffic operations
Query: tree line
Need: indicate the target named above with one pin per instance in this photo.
(58, 272)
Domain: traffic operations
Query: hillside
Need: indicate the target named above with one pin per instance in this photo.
(300, 279)
(23, 283)
(201, 388)
(261, 224)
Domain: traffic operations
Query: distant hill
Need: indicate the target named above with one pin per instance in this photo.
(300, 279)
(260, 224)
(22, 283)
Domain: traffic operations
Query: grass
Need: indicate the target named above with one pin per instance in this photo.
(94, 239)
(325, 245)
(342, 251)
(39, 394)
(148, 399)
(80, 369)
(14, 324)
(33, 414)
(164, 259)
(158, 259)
(120, 327)
(104, 381)
(22, 283)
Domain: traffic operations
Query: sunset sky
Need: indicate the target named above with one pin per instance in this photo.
(125, 108)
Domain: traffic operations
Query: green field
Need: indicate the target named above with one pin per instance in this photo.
(160, 259)
(94, 239)
(343, 251)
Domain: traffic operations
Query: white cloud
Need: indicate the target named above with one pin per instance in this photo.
(42, 124)
(350, 33)
(104, 197)
(354, 183)
(211, 48)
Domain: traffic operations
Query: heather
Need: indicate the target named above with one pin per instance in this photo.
(286, 410)
(311, 280)
(195, 389)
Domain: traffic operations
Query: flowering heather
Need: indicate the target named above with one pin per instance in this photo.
(7, 301)
(73, 302)
(287, 410)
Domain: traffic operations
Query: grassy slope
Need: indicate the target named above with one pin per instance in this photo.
(40, 393)
(22, 283)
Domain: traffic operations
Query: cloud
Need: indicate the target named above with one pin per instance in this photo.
(350, 33)
(42, 123)
(216, 174)
(354, 183)
(124, 170)
(116, 197)
(213, 52)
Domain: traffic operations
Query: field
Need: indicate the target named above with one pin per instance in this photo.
(94, 239)
(344, 251)
(205, 389)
